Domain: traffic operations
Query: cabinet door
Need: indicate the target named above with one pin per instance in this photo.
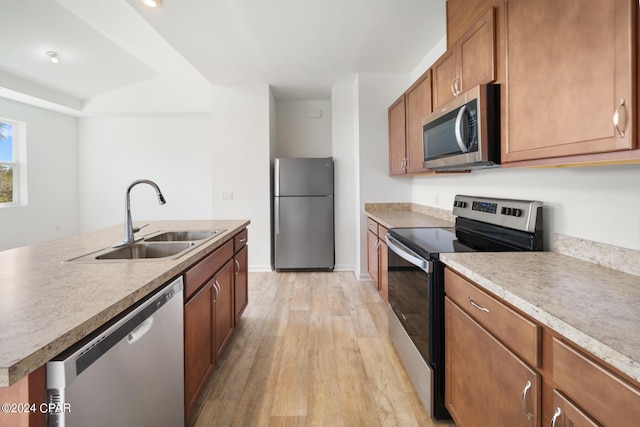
(444, 78)
(418, 99)
(372, 257)
(224, 313)
(397, 137)
(566, 414)
(485, 383)
(198, 335)
(477, 53)
(569, 67)
(241, 282)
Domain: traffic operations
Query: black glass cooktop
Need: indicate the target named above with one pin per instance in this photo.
(430, 242)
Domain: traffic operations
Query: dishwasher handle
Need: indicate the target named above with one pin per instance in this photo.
(407, 254)
(135, 335)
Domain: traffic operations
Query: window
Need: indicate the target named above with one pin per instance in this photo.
(11, 168)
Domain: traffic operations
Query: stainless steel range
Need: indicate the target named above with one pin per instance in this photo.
(416, 279)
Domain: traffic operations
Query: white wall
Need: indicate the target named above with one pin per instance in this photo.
(298, 134)
(52, 180)
(174, 151)
(375, 93)
(241, 163)
(343, 105)
(594, 203)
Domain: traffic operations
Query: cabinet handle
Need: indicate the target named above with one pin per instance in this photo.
(453, 87)
(216, 286)
(527, 387)
(479, 307)
(556, 415)
(243, 240)
(620, 118)
(237, 267)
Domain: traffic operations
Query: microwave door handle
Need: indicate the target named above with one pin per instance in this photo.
(462, 144)
(403, 252)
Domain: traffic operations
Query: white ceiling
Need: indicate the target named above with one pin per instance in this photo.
(299, 47)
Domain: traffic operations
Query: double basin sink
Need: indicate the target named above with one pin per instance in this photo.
(159, 245)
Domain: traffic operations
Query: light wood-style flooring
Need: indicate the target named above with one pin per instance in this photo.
(312, 349)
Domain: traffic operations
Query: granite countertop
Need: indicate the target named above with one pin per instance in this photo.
(595, 307)
(401, 215)
(47, 305)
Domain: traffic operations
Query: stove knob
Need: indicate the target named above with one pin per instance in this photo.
(507, 211)
(517, 212)
(462, 204)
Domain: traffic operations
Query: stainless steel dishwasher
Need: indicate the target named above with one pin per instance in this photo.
(129, 374)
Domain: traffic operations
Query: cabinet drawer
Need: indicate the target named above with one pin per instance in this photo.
(200, 273)
(518, 333)
(372, 226)
(601, 393)
(382, 230)
(240, 240)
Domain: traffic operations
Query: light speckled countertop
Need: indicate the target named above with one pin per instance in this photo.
(47, 305)
(400, 215)
(595, 307)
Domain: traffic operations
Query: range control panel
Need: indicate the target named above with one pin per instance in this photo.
(518, 214)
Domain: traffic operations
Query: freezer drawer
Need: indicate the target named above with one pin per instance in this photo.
(303, 177)
(304, 236)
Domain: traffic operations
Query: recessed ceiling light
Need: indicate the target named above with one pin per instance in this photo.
(53, 56)
(151, 3)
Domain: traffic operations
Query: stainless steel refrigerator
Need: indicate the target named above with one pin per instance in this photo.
(303, 214)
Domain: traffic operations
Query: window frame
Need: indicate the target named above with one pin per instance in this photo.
(18, 163)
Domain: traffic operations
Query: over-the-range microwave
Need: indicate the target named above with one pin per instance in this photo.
(464, 133)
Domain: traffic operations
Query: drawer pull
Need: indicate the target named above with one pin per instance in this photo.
(237, 267)
(556, 415)
(527, 387)
(479, 307)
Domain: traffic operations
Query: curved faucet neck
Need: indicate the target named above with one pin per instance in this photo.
(128, 223)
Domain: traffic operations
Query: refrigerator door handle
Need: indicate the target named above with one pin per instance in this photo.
(276, 209)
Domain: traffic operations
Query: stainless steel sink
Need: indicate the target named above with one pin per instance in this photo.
(181, 236)
(145, 250)
(155, 246)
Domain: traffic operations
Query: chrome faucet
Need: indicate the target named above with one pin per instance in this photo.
(128, 225)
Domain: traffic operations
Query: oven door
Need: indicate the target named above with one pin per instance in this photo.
(416, 329)
(410, 289)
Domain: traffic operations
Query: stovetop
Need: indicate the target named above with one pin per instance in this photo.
(430, 242)
(482, 225)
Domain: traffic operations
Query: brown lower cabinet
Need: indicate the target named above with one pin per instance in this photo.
(504, 369)
(198, 344)
(241, 280)
(377, 257)
(215, 298)
(485, 383)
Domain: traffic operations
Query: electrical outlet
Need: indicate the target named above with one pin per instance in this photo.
(226, 195)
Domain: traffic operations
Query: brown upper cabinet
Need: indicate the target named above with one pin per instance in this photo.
(397, 137)
(468, 62)
(571, 76)
(405, 127)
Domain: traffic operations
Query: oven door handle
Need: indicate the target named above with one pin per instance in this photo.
(407, 254)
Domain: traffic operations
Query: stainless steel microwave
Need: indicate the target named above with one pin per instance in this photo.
(464, 134)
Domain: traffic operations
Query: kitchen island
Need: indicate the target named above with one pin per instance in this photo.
(47, 304)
